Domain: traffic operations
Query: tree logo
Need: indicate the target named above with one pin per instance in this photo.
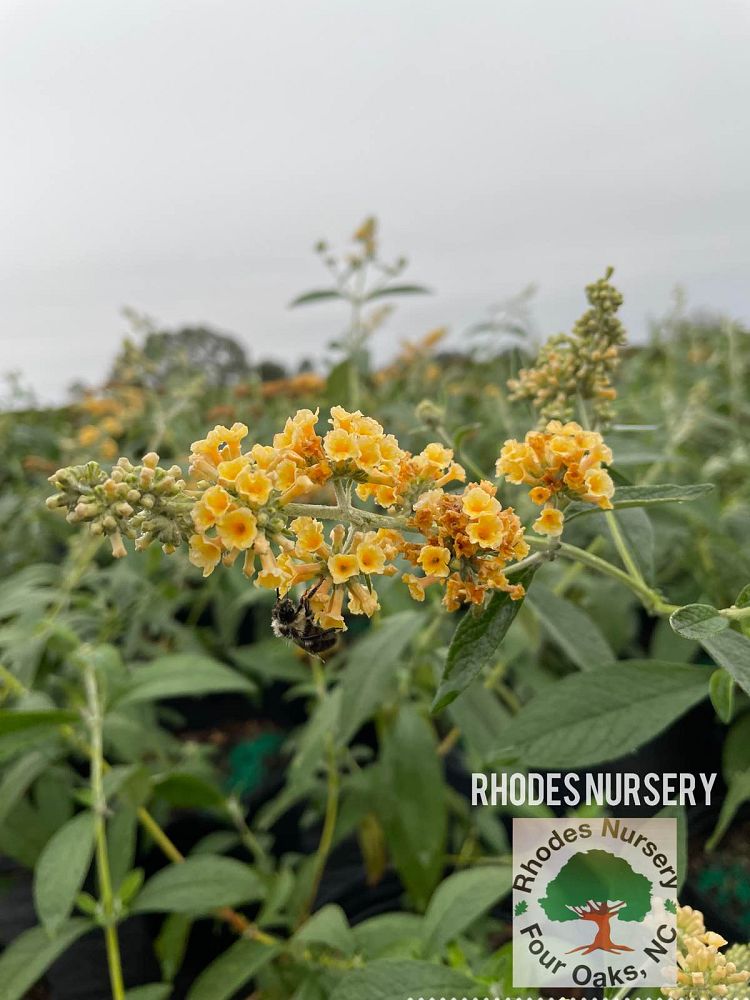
(598, 886)
(594, 902)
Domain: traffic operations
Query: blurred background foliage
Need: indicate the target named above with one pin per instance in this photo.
(225, 743)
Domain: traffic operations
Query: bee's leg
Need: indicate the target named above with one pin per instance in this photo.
(304, 603)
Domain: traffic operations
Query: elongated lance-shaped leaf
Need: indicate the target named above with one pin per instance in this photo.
(643, 496)
(475, 642)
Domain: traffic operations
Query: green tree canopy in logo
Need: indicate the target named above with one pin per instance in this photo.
(597, 886)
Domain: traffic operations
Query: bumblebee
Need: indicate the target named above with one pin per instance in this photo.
(295, 621)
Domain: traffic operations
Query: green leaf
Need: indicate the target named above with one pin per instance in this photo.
(643, 496)
(587, 719)
(412, 803)
(26, 958)
(736, 750)
(460, 900)
(697, 621)
(130, 886)
(329, 927)
(571, 629)
(387, 932)
(369, 674)
(481, 717)
(681, 861)
(61, 869)
(384, 293)
(317, 295)
(638, 534)
(475, 643)
(721, 691)
(738, 792)
(198, 885)
(185, 790)
(171, 944)
(152, 991)
(396, 980)
(13, 722)
(181, 674)
(122, 833)
(743, 598)
(17, 779)
(731, 650)
(231, 970)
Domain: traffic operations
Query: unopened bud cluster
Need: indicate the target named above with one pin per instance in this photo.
(143, 502)
(580, 364)
(703, 971)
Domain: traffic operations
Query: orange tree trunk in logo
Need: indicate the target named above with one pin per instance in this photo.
(598, 886)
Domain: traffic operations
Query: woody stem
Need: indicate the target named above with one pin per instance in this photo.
(347, 515)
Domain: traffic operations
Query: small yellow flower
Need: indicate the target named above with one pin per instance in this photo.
(342, 567)
(339, 445)
(486, 531)
(385, 496)
(437, 454)
(361, 600)
(237, 529)
(540, 495)
(415, 585)
(549, 522)
(309, 534)
(255, 486)
(366, 426)
(228, 471)
(599, 487)
(263, 455)
(271, 579)
(434, 560)
(368, 452)
(285, 474)
(216, 500)
(203, 517)
(343, 419)
(330, 616)
(476, 502)
(370, 557)
(204, 553)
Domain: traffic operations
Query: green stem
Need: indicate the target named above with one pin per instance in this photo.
(351, 515)
(650, 598)
(622, 547)
(99, 806)
(533, 560)
(735, 614)
(466, 459)
(332, 800)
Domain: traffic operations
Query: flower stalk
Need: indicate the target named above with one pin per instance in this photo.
(99, 806)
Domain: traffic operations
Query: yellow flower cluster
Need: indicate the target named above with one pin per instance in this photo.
(562, 462)
(260, 502)
(470, 540)
(243, 499)
(703, 971)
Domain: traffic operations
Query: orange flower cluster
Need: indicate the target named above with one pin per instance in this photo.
(562, 462)
(470, 540)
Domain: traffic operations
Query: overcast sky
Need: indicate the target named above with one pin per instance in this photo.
(182, 157)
